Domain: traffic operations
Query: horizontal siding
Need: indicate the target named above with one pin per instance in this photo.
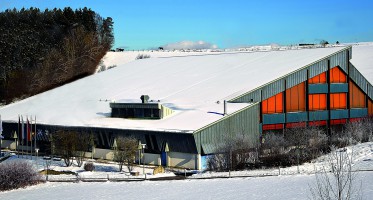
(358, 78)
(338, 114)
(338, 87)
(318, 115)
(318, 68)
(358, 112)
(296, 78)
(296, 117)
(273, 89)
(318, 88)
(274, 118)
(245, 121)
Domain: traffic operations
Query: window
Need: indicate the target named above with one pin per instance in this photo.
(273, 104)
(338, 101)
(357, 97)
(321, 78)
(317, 102)
(337, 75)
(295, 98)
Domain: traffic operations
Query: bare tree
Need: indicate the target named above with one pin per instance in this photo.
(126, 152)
(81, 146)
(336, 180)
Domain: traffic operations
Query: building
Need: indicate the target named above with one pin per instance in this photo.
(182, 107)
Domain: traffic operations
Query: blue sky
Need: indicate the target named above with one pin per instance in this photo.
(227, 23)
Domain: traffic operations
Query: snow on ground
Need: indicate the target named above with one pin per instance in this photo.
(296, 186)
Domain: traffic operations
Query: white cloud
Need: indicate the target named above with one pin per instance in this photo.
(190, 45)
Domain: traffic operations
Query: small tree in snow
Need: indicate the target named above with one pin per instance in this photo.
(126, 152)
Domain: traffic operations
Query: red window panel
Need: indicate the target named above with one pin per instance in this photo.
(273, 104)
(338, 121)
(317, 123)
(295, 125)
(355, 119)
(357, 96)
(337, 75)
(338, 101)
(267, 127)
(295, 98)
(321, 78)
(317, 102)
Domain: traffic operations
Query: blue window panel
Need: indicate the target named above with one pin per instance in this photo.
(338, 87)
(318, 88)
(338, 114)
(358, 112)
(274, 118)
(296, 117)
(318, 115)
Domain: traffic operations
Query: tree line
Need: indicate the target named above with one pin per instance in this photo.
(40, 50)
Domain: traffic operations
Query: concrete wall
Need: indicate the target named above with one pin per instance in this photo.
(184, 160)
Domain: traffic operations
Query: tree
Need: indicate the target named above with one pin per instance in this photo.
(337, 180)
(125, 152)
(324, 43)
(63, 143)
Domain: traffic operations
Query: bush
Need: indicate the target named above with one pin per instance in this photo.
(17, 174)
(89, 166)
(142, 56)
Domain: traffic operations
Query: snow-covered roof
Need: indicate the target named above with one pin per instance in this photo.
(362, 59)
(190, 85)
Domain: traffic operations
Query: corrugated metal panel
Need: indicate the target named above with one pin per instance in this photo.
(296, 78)
(339, 59)
(338, 114)
(350, 52)
(338, 87)
(244, 122)
(318, 115)
(255, 96)
(318, 68)
(358, 112)
(296, 117)
(273, 89)
(318, 88)
(358, 78)
(274, 118)
(370, 91)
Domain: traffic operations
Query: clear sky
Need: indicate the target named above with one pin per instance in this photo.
(144, 24)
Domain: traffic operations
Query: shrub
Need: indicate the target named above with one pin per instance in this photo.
(142, 56)
(17, 174)
(89, 166)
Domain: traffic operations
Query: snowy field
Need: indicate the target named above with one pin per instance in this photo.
(295, 186)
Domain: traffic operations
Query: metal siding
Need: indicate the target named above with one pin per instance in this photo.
(245, 121)
(296, 117)
(358, 112)
(296, 78)
(338, 114)
(318, 115)
(318, 88)
(370, 91)
(254, 95)
(273, 89)
(274, 118)
(340, 60)
(338, 87)
(318, 68)
(358, 78)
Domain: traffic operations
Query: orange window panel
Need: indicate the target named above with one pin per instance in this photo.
(317, 123)
(273, 104)
(370, 108)
(272, 127)
(337, 75)
(338, 101)
(317, 102)
(321, 78)
(338, 121)
(295, 98)
(357, 97)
